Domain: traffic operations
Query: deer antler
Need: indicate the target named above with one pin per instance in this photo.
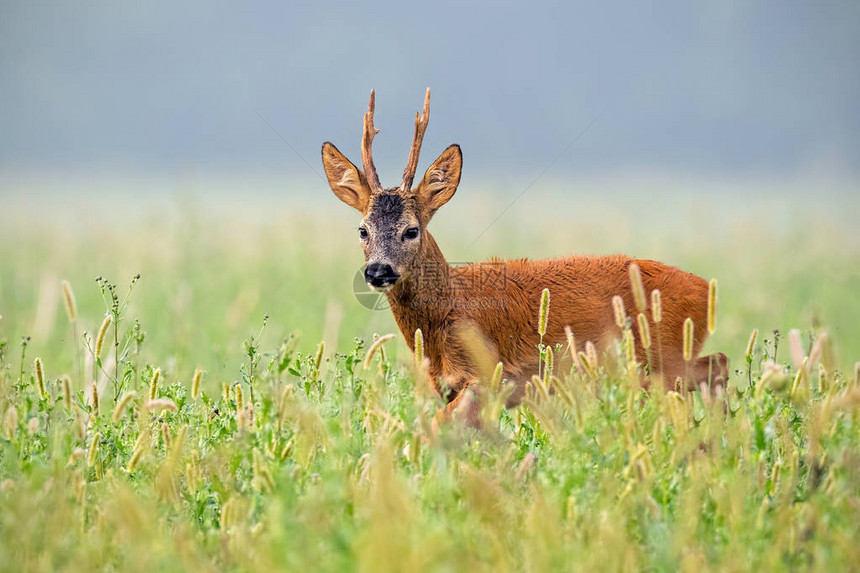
(420, 128)
(366, 144)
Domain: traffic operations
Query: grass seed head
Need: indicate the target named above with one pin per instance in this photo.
(547, 371)
(656, 306)
(165, 434)
(39, 374)
(712, 306)
(135, 459)
(161, 404)
(153, 383)
(629, 346)
(543, 315)
(195, 382)
(751, 343)
(571, 345)
(242, 419)
(618, 310)
(67, 391)
(524, 467)
(11, 422)
(496, 380)
(69, 299)
(644, 331)
(100, 338)
(795, 345)
(419, 346)
(377, 344)
(122, 404)
(93, 455)
(94, 397)
(319, 356)
(240, 397)
(638, 287)
(688, 339)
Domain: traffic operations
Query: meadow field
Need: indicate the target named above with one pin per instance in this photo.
(238, 423)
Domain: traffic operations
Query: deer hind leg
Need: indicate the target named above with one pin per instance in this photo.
(712, 370)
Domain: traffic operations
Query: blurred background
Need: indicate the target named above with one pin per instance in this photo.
(181, 140)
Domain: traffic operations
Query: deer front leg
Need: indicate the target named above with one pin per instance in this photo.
(465, 407)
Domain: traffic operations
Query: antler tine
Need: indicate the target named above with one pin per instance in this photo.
(420, 128)
(366, 145)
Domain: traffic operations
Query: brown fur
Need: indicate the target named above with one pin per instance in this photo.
(499, 300)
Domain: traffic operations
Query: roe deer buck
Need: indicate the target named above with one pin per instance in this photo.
(499, 299)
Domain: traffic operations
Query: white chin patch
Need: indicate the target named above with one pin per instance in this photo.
(380, 289)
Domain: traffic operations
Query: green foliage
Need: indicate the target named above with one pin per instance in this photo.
(330, 465)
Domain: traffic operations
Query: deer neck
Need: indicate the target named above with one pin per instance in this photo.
(422, 300)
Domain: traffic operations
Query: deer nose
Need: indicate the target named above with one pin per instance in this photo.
(380, 275)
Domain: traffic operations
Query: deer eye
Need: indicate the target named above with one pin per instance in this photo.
(410, 234)
(362, 233)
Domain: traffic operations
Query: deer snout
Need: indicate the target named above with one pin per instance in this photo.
(380, 275)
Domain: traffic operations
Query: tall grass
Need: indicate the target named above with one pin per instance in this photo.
(309, 451)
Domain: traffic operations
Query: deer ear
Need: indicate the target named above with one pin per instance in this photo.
(344, 178)
(441, 179)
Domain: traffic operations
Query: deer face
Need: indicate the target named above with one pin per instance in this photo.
(394, 221)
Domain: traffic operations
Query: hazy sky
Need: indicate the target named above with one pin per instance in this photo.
(704, 87)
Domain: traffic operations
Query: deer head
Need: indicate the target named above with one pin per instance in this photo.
(393, 229)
